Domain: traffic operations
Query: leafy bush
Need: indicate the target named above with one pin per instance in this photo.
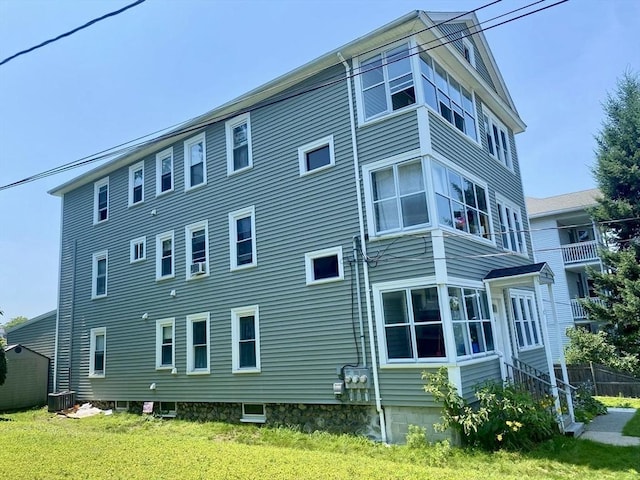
(505, 416)
(3, 362)
(585, 407)
(585, 347)
(435, 454)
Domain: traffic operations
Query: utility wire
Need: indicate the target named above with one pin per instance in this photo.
(71, 32)
(102, 156)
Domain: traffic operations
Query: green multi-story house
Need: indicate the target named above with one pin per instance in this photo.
(303, 253)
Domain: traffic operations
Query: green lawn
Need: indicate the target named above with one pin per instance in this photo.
(38, 445)
(632, 428)
(623, 402)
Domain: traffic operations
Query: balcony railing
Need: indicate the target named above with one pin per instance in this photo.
(580, 252)
(579, 313)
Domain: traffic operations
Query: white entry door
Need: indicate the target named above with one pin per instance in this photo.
(502, 332)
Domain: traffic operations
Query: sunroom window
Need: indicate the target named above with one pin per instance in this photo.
(472, 328)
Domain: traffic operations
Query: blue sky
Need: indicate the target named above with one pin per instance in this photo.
(166, 61)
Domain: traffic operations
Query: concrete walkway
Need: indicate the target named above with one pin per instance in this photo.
(608, 428)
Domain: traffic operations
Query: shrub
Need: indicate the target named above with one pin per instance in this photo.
(585, 347)
(3, 362)
(585, 407)
(505, 416)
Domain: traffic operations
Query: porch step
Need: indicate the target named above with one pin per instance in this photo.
(574, 429)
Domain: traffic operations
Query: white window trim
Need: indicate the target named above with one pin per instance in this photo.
(132, 169)
(159, 239)
(168, 413)
(254, 418)
(233, 235)
(236, 313)
(159, 157)
(466, 43)
(537, 320)
(132, 249)
(197, 317)
(159, 326)
(309, 147)
(229, 126)
(188, 246)
(502, 202)
(187, 166)
(96, 189)
(92, 350)
(104, 254)
(309, 257)
(493, 121)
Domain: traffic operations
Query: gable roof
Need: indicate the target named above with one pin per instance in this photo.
(31, 321)
(530, 270)
(417, 22)
(567, 202)
(9, 348)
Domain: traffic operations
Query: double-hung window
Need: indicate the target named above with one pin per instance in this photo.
(412, 325)
(99, 282)
(468, 52)
(195, 162)
(165, 343)
(136, 183)
(387, 82)
(447, 97)
(238, 132)
(198, 343)
(101, 200)
(399, 197)
(164, 171)
(197, 246)
(245, 332)
(97, 352)
(497, 137)
(511, 227)
(472, 328)
(525, 319)
(461, 203)
(137, 249)
(165, 258)
(242, 238)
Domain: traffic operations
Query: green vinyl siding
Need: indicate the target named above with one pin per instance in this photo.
(476, 374)
(383, 139)
(534, 357)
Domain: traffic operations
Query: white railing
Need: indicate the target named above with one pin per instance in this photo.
(579, 313)
(580, 252)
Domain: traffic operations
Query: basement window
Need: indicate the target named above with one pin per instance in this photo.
(253, 413)
(122, 406)
(168, 409)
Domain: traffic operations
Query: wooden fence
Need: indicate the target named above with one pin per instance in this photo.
(606, 381)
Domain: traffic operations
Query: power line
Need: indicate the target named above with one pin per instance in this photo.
(112, 153)
(71, 32)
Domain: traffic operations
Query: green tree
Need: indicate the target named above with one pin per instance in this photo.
(617, 173)
(14, 322)
(585, 347)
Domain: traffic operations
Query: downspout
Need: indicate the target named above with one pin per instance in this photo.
(365, 267)
(54, 387)
(360, 319)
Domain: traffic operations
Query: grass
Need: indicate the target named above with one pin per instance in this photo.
(38, 445)
(632, 428)
(620, 402)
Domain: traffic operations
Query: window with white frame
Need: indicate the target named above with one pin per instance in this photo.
(398, 197)
(461, 203)
(99, 275)
(525, 319)
(511, 227)
(168, 409)
(468, 52)
(323, 266)
(164, 171)
(253, 413)
(138, 249)
(245, 333)
(412, 325)
(242, 238)
(472, 329)
(165, 343)
(197, 249)
(198, 343)
(97, 352)
(101, 200)
(195, 162)
(239, 155)
(165, 258)
(136, 183)
(316, 155)
(447, 97)
(497, 137)
(387, 82)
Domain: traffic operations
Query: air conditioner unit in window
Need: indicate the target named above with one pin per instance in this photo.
(198, 268)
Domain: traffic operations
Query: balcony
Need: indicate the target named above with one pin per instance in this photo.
(582, 252)
(579, 313)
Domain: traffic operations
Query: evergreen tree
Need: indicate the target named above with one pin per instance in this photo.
(617, 173)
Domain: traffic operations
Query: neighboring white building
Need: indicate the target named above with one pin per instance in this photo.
(564, 235)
